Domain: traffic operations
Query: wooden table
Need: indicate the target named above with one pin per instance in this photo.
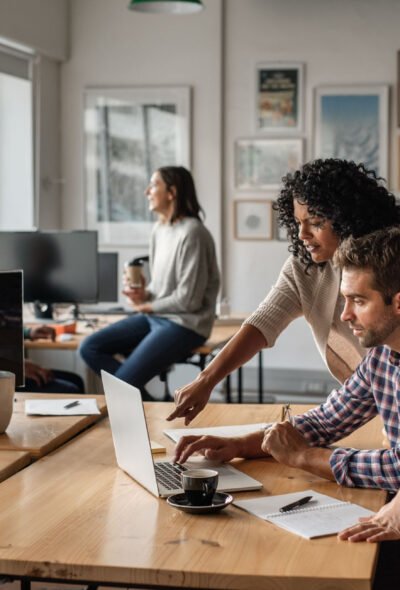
(221, 333)
(11, 462)
(74, 516)
(223, 330)
(39, 435)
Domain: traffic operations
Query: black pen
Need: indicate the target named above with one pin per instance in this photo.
(295, 504)
(71, 405)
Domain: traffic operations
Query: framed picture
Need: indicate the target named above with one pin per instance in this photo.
(261, 163)
(281, 233)
(352, 123)
(253, 219)
(279, 97)
(129, 133)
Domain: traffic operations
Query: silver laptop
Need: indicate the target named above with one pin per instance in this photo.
(133, 449)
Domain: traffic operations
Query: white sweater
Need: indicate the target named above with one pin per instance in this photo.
(184, 274)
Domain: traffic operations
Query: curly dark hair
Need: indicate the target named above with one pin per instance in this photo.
(347, 194)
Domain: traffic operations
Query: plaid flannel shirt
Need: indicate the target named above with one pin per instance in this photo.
(373, 388)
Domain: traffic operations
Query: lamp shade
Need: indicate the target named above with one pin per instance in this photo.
(166, 6)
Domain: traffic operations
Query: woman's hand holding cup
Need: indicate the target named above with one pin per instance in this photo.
(134, 284)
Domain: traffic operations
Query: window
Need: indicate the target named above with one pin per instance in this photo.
(17, 209)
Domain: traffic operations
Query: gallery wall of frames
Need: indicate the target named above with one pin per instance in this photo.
(349, 122)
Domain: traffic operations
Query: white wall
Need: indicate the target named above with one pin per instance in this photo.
(112, 46)
(340, 42)
(39, 24)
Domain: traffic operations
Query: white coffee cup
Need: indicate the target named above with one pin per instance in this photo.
(7, 391)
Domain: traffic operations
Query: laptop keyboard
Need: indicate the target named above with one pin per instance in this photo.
(169, 474)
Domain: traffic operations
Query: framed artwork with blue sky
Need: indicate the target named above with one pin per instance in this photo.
(352, 123)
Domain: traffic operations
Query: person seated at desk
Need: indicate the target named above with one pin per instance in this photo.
(176, 311)
(41, 380)
(370, 286)
(319, 205)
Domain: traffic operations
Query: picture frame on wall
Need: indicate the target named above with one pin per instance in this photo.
(279, 97)
(352, 123)
(129, 133)
(281, 233)
(260, 163)
(253, 219)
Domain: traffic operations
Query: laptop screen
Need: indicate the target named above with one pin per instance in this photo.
(11, 324)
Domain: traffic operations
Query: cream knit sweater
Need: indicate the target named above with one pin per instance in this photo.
(315, 296)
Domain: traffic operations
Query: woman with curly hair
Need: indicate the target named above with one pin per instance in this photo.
(319, 205)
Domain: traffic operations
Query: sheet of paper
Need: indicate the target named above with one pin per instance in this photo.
(322, 516)
(237, 430)
(56, 407)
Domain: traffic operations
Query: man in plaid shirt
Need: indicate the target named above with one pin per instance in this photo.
(371, 289)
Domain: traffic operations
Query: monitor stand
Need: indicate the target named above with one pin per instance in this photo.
(43, 310)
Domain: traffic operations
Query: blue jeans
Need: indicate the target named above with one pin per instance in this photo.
(150, 345)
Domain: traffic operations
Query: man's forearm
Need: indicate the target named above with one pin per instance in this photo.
(249, 446)
(317, 461)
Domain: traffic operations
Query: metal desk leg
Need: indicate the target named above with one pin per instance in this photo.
(228, 389)
(260, 377)
(240, 384)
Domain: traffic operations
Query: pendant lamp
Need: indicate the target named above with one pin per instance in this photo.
(166, 6)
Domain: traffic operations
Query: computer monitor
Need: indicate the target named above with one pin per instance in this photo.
(11, 325)
(108, 277)
(59, 266)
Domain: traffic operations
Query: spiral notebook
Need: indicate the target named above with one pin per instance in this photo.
(322, 516)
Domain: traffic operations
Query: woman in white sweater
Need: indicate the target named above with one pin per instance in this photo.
(319, 205)
(176, 310)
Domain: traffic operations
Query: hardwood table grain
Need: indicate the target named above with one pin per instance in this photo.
(38, 435)
(74, 516)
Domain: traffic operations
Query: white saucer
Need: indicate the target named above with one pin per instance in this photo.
(219, 502)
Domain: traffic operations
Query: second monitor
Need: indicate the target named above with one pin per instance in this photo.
(108, 277)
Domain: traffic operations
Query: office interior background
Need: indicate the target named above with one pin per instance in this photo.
(75, 45)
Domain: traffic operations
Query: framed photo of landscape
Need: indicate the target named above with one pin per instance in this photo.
(129, 133)
(352, 123)
(260, 163)
(279, 98)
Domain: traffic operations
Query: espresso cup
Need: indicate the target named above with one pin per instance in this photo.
(199, 486)
(7, 390)
(134, 274)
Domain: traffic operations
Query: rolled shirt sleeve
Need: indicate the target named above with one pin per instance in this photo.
(368, 391)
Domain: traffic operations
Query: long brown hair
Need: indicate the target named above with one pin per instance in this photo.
(185, 203)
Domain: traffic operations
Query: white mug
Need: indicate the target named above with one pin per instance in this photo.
(7, 391)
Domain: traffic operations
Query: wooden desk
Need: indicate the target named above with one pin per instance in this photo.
(11, 462)
(74, 516)
(39, 435)
(220, 335)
